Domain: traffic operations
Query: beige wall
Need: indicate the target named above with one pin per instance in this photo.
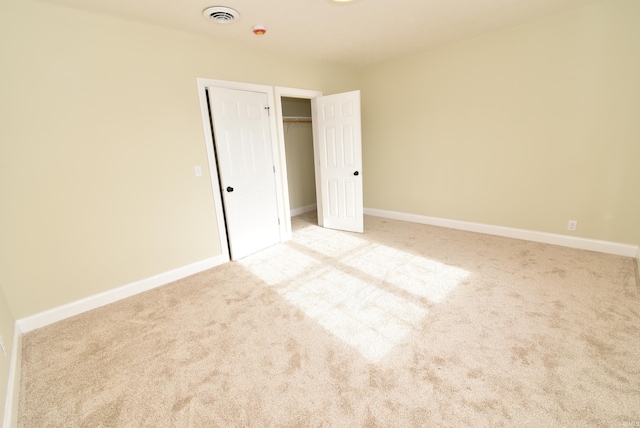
(298, 140)
(6, 331)
(300, 170)
(528, 127)
(100, 130)
(298, 107)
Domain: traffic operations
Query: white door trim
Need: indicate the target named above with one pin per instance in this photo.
(203, 84)
(280, 92)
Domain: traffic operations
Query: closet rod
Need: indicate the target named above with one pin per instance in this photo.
(296, 119)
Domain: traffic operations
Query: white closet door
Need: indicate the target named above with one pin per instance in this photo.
(338, 141)
(247, 175)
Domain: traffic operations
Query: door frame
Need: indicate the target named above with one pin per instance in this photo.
(281, 191)
(281, 91)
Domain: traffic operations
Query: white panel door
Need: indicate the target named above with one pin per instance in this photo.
(338, 152)
(245, 163)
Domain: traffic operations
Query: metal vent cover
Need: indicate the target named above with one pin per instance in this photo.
(221, 14)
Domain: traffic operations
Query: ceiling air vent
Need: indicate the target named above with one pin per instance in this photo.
(221, 14)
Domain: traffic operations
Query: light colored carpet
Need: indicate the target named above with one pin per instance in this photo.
(406, 325)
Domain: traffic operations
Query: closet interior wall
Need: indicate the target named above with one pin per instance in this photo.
(298, 141)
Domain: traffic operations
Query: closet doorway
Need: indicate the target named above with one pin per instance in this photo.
(292, 104)
(298, 141)
(337, 156)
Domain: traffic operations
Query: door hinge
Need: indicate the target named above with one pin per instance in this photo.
(268, 109)
(274, 169)
(278, 222)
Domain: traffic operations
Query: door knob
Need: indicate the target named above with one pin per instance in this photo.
(229, 189)
(356, 173)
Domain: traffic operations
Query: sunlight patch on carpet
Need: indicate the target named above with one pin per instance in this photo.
(336, 279)
(368, 319)
(417, 275)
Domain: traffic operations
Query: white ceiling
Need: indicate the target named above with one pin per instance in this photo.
(360, 33)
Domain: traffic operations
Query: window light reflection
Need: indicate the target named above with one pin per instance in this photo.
(335, 277)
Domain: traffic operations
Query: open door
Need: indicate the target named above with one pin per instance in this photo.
(338, 156)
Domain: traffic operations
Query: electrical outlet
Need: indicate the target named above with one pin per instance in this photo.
(4, 351)
(573, 225)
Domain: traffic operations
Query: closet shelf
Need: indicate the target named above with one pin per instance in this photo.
(296, 119)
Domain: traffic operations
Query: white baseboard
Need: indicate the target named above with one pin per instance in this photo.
(13, 385)
(527, 235)
(302, 210)
(68, 310)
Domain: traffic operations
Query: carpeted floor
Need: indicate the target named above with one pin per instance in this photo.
(406, 325)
